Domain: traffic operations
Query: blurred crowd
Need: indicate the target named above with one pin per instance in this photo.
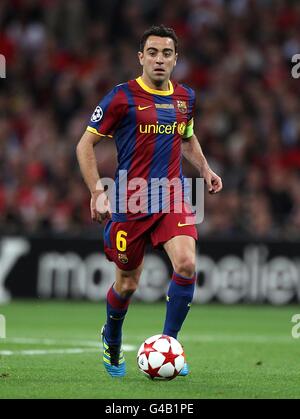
(64, 55)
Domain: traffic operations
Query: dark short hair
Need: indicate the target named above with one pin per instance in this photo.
(160, 30)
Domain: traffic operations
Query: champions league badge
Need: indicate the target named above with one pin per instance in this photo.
(97, 115)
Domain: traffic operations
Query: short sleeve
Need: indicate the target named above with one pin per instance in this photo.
(108, 114)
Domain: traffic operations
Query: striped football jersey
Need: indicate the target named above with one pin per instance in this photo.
(148, 127)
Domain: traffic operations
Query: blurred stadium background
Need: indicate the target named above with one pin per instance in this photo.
(62, 56)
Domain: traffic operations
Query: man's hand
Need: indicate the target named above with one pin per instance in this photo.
(100, 206)
(213, 181)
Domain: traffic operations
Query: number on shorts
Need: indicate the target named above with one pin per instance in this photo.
(121, 241)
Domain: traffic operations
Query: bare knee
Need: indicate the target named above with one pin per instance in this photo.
(185, 265)
(128, 287)
(127, 283)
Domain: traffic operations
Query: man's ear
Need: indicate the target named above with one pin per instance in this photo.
(176, 56)
(141, 58)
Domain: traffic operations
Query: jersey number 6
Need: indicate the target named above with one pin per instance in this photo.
(121, 241)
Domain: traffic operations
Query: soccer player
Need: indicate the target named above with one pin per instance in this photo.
(151, 121)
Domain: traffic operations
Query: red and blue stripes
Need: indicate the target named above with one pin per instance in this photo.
(142, 153)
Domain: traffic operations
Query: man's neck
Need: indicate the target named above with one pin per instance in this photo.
(164, 85)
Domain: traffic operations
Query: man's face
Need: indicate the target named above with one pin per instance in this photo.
(158, 58)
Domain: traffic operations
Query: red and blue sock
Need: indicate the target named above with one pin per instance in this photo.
(116, 309)
(179, 299)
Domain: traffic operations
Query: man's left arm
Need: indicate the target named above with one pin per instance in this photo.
(192, 151)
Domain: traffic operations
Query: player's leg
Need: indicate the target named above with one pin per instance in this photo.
(178, 239)
(182, 253)
(125, 246)
(118, 299)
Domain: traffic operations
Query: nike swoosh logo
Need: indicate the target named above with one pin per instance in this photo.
(182, 225)
(141, 108)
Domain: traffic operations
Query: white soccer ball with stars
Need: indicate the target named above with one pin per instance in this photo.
(161, 357)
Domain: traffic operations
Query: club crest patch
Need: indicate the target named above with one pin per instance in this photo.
(123, 258)
(182, 106)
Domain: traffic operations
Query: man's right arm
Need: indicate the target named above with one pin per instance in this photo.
(100, 209)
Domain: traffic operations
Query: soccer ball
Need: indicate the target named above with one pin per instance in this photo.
(161, 357)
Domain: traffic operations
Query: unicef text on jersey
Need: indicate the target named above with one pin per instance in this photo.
(156, 195)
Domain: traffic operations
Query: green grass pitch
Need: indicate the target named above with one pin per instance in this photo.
(51, 351)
